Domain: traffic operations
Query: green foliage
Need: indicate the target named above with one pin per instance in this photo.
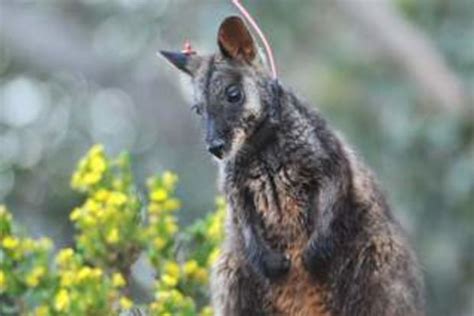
(113, 226)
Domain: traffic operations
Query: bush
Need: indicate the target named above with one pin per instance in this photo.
(114, 226)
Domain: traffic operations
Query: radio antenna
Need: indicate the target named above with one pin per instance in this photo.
(251, 21)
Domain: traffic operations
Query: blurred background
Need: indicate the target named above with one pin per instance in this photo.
(396, 77)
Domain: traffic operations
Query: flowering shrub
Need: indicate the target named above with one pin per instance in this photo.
(113, 225)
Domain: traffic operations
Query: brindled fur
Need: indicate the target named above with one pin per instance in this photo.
(316, 202)
(308, 231)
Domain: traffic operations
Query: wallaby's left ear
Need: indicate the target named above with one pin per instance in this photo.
(235, 40)
(189, 63)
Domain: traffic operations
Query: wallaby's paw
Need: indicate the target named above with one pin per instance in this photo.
(316, 259)
(275, 265)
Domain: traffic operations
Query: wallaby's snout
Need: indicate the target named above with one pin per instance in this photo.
(215, 141)
(216, 148)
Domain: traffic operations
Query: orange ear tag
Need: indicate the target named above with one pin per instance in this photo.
(187, 49)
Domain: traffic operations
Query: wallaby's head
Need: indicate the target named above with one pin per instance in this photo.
(231, 90)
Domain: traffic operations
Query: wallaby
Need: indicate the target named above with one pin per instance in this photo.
(308, 231)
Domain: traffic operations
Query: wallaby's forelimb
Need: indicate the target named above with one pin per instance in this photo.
(261, 257)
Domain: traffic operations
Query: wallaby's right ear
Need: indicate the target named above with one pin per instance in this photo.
(235, 40)
(189, 63)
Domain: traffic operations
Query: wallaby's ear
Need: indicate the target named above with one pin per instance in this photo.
(188, 63)
(235, 40)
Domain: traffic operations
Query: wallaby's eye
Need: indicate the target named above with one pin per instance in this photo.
(234, 94)
(197, 109)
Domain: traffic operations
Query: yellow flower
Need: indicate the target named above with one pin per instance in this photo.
(157, 307)
(159, 195)
(169, 280)
(170, 225)
(118, 280)
(190, 267)
(33, 278)
(177, 297)
(88, 273)
(169, 180)
(62, 301)
(171, 268)
(65, 257)
(96, 273)
(162, 295)
(154, 208)
(201, 275)
(97, 149)
(159, 243)
(10, 242)
(171, 204)
(171, 274)
(67, 278)
(84, 273)
(3, 281)
(82, 163)
(75, 214)
(125, 303)
(101, 195)
(89, 221)
(98, 164)
(215, 229)
(93, 206)
(113, 236)
(91, 178)
(42, 310)
(76, 180)
(213, 257)
(117, 198)
(206, 311)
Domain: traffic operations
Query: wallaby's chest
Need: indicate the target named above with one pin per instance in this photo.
(282, 209)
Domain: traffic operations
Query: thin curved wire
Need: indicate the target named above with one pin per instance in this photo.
(260, 34)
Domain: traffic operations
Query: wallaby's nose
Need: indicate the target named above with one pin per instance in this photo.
(216, 147)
